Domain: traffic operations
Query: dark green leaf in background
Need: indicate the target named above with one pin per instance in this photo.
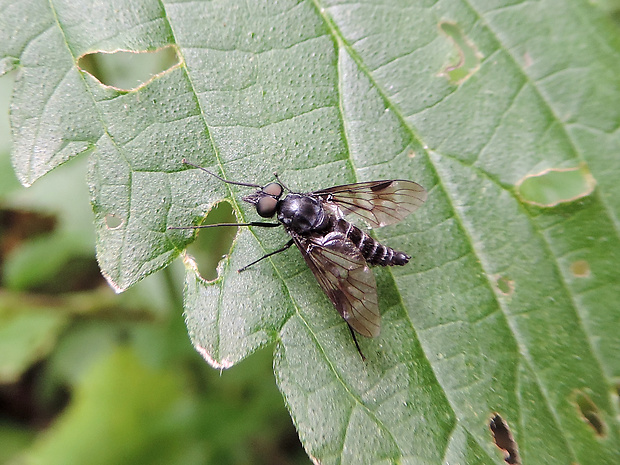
(489, 317)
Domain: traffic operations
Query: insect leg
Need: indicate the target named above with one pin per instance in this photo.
(253, 223)
(282, 249)
(356, 343)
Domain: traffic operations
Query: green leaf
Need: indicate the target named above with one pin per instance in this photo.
(26, 336)
(488, 318)
(125, 422)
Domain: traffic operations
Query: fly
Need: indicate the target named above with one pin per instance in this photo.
(338, 252)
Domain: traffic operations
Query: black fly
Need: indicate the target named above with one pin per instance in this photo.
(337, 252)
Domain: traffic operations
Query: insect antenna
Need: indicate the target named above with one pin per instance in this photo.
(282, 184)
(252, 223)
(236, 183)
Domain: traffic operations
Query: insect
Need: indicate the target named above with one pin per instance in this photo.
(338, 252)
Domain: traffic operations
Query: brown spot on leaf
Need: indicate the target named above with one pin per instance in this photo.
(505, 285)
(580, 269)
(590, 413)
(504, 440)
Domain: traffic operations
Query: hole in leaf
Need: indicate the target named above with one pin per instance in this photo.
(212, 244)
(590, 413)
(580, 269)
(468, 60)
(505, 285)
(128, 70)
(113, 221)
(554, 186)
(504, 440)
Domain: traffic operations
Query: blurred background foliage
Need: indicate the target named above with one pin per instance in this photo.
(88, 376)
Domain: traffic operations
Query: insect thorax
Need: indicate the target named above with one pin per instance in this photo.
(302, 213)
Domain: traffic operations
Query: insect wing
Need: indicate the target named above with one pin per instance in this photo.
(344, 275)
(379, 203)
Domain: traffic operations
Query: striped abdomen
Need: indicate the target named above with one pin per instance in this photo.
(374, 252)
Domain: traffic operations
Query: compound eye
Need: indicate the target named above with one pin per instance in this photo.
(273, 189)
(266, 206)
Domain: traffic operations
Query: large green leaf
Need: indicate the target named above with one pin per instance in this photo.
(126, 421)
(505, 308)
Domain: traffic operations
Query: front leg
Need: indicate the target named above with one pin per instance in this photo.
(282, 249)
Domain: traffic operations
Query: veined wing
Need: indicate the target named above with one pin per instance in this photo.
(344, 275)
(379, 203)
